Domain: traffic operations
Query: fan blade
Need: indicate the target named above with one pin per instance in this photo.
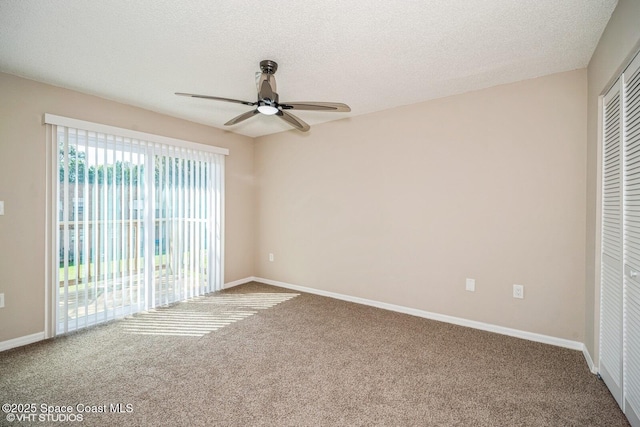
(317, 106)
(242, 117)
(216, 98)
(293, 121)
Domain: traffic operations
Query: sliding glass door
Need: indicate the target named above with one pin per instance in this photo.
(138, 225)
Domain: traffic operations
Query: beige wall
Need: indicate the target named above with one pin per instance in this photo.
(22, 187)
(401, 206)
(620, 39)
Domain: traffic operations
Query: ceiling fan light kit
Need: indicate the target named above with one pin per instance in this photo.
(268, 110)
(268, 101)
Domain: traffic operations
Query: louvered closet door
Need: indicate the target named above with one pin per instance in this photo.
(611, 319)
(631, 138)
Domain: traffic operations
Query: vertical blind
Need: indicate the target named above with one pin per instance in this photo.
(137, 222)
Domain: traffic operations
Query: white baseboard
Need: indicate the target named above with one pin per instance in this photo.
(531, 336)
(20, 341)
(238, 282)
(587, 357)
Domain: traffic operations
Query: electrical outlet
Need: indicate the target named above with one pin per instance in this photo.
(1, 300)
(471, 285)
(271, 257)
(518, 291)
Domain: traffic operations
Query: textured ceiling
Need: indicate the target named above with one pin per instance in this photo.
(370, 54)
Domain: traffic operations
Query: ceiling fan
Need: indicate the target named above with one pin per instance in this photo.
(269, 104)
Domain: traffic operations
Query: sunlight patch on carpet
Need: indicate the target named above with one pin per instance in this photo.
(189, 320)
(255, 300)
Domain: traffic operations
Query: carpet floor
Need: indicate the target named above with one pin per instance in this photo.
(261, 355)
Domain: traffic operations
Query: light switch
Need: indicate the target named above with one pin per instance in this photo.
(470, 285)
(1, 207)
